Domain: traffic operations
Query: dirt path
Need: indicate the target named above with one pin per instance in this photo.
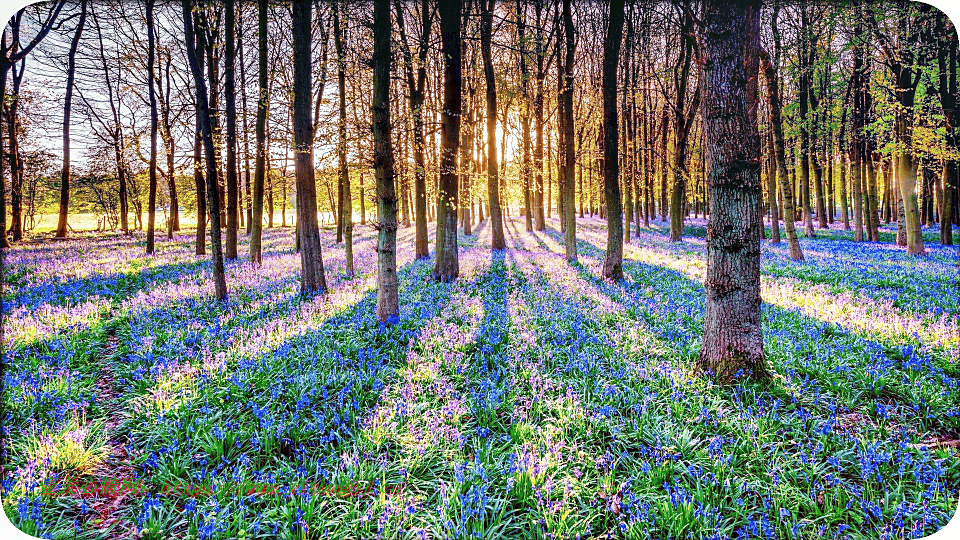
(106, 507)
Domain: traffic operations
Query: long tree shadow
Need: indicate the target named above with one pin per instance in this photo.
(804, 348)
(311, 395)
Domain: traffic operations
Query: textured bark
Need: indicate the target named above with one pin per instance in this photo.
(311, 255)
(203, 112)
(263, 100)
(154, 128)
(613, 260)
(67, 101)
(447, 266)
(232, 177)
(387, 288)
(732, 340)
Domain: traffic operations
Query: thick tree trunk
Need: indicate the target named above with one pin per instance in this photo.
(613, 260)
(732, 338)
(203, 112)
(387, 287)
(263, 101)
(67, 101)
(311, 255)
(447, 266)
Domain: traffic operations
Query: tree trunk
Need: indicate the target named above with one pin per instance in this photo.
(343, 172)
(246, 130)
(570, 232)
(387, 288)
(203, 112)
(497, 240)
(154, 128)
(67, 100)
(263, 101)
(732, 338)
(311, 255)
(230, 102)
(613, 260)
(772, 190)
(447, 266)
(786, 192)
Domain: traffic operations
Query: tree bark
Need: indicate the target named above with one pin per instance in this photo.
(569, 218)
(388, 310)
(263, 104)
(732, 338)
(154, 128)
(311, 256)
(613, 260)
(447, 266)
(230, 102)
(203, 112)
(776, 121)
(497, 240)
(67, 101)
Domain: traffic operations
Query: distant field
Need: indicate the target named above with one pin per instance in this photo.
(47, 223)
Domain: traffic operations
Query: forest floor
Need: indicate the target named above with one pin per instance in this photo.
(528, 399)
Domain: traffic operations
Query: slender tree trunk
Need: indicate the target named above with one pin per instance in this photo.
(67, 100)
(570, 233)
(613, 260)
(200, 184)
(263, 101)
(732, 338)
(343, 172)
(497, 240)
(154, 128)
(772, 190)
(230, 102)
(246, 129)
(664, 128)
(4, 68)
(203, 112)
(773, 95)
